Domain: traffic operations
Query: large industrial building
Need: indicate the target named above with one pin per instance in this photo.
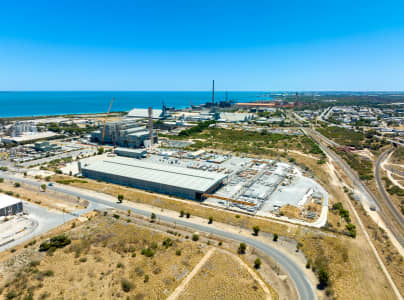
(9, 205)
(166, 179)
(125, 133)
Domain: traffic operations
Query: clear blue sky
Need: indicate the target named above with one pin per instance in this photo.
(183, 45)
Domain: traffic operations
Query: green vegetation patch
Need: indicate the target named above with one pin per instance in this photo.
(363, 166)
(343, 136)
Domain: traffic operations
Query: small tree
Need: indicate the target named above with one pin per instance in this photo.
(129, 212)
(153, 217)
(257, 263)
(188, 215)
(256, 230)
(100, 150)
(182, 213)
(43, 187)
(323, 277)
(210, 220)
(17, 184)
(195, 237)
(242, 248)
(120, 198)
(275, 238)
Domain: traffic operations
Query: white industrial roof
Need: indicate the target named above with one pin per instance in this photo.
(165, 174)
(144, 113)
(6, 201)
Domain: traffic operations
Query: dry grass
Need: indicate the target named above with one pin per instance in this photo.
(290, 211)
(50, 199)
(222, 277)
(393, 261)
(103, 253)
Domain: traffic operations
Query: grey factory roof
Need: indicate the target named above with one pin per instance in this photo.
(6, 201)
(166, 174)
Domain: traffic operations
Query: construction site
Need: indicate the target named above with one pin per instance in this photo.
(259, 187)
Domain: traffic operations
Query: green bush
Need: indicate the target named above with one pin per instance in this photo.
(58, 241)
(148, 252)
(257, 263)
(256, 230)
(242, 248)
(126, 285)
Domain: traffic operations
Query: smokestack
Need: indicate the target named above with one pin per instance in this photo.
(213, 92)
(151, 126)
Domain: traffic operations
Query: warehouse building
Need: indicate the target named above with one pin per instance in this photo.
(9, 205)
(161, 178)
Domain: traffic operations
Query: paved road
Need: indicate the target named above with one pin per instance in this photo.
(304, 287)
(397, 214)
(359, 185)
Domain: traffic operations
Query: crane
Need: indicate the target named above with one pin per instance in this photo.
(105, 121)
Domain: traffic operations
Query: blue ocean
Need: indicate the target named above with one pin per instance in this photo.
(21, 104)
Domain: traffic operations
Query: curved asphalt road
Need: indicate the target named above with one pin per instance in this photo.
(304, 287)
(397, 215)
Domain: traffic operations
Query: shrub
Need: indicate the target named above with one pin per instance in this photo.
(11, 295)
(275, 238)
(195, 237)
(48, 273)
(323, 277)
(152, 217)
(17, 184)
(167, 243)
(182, 213)
(126, 285)
(188, 215)
(120, 198)
(34, 263)
(178, 252)
(257, 263)
(119, 265)
(146, 278)
(58, 241)
(210, 220)
(351, 230)
(308, 263)
(148, 252)
(256, 230)
(242, 248)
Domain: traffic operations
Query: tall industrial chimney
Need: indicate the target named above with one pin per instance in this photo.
(151, 126)
(213, 93)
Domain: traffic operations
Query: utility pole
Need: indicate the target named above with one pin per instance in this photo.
(213, 93)
(151, 126)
